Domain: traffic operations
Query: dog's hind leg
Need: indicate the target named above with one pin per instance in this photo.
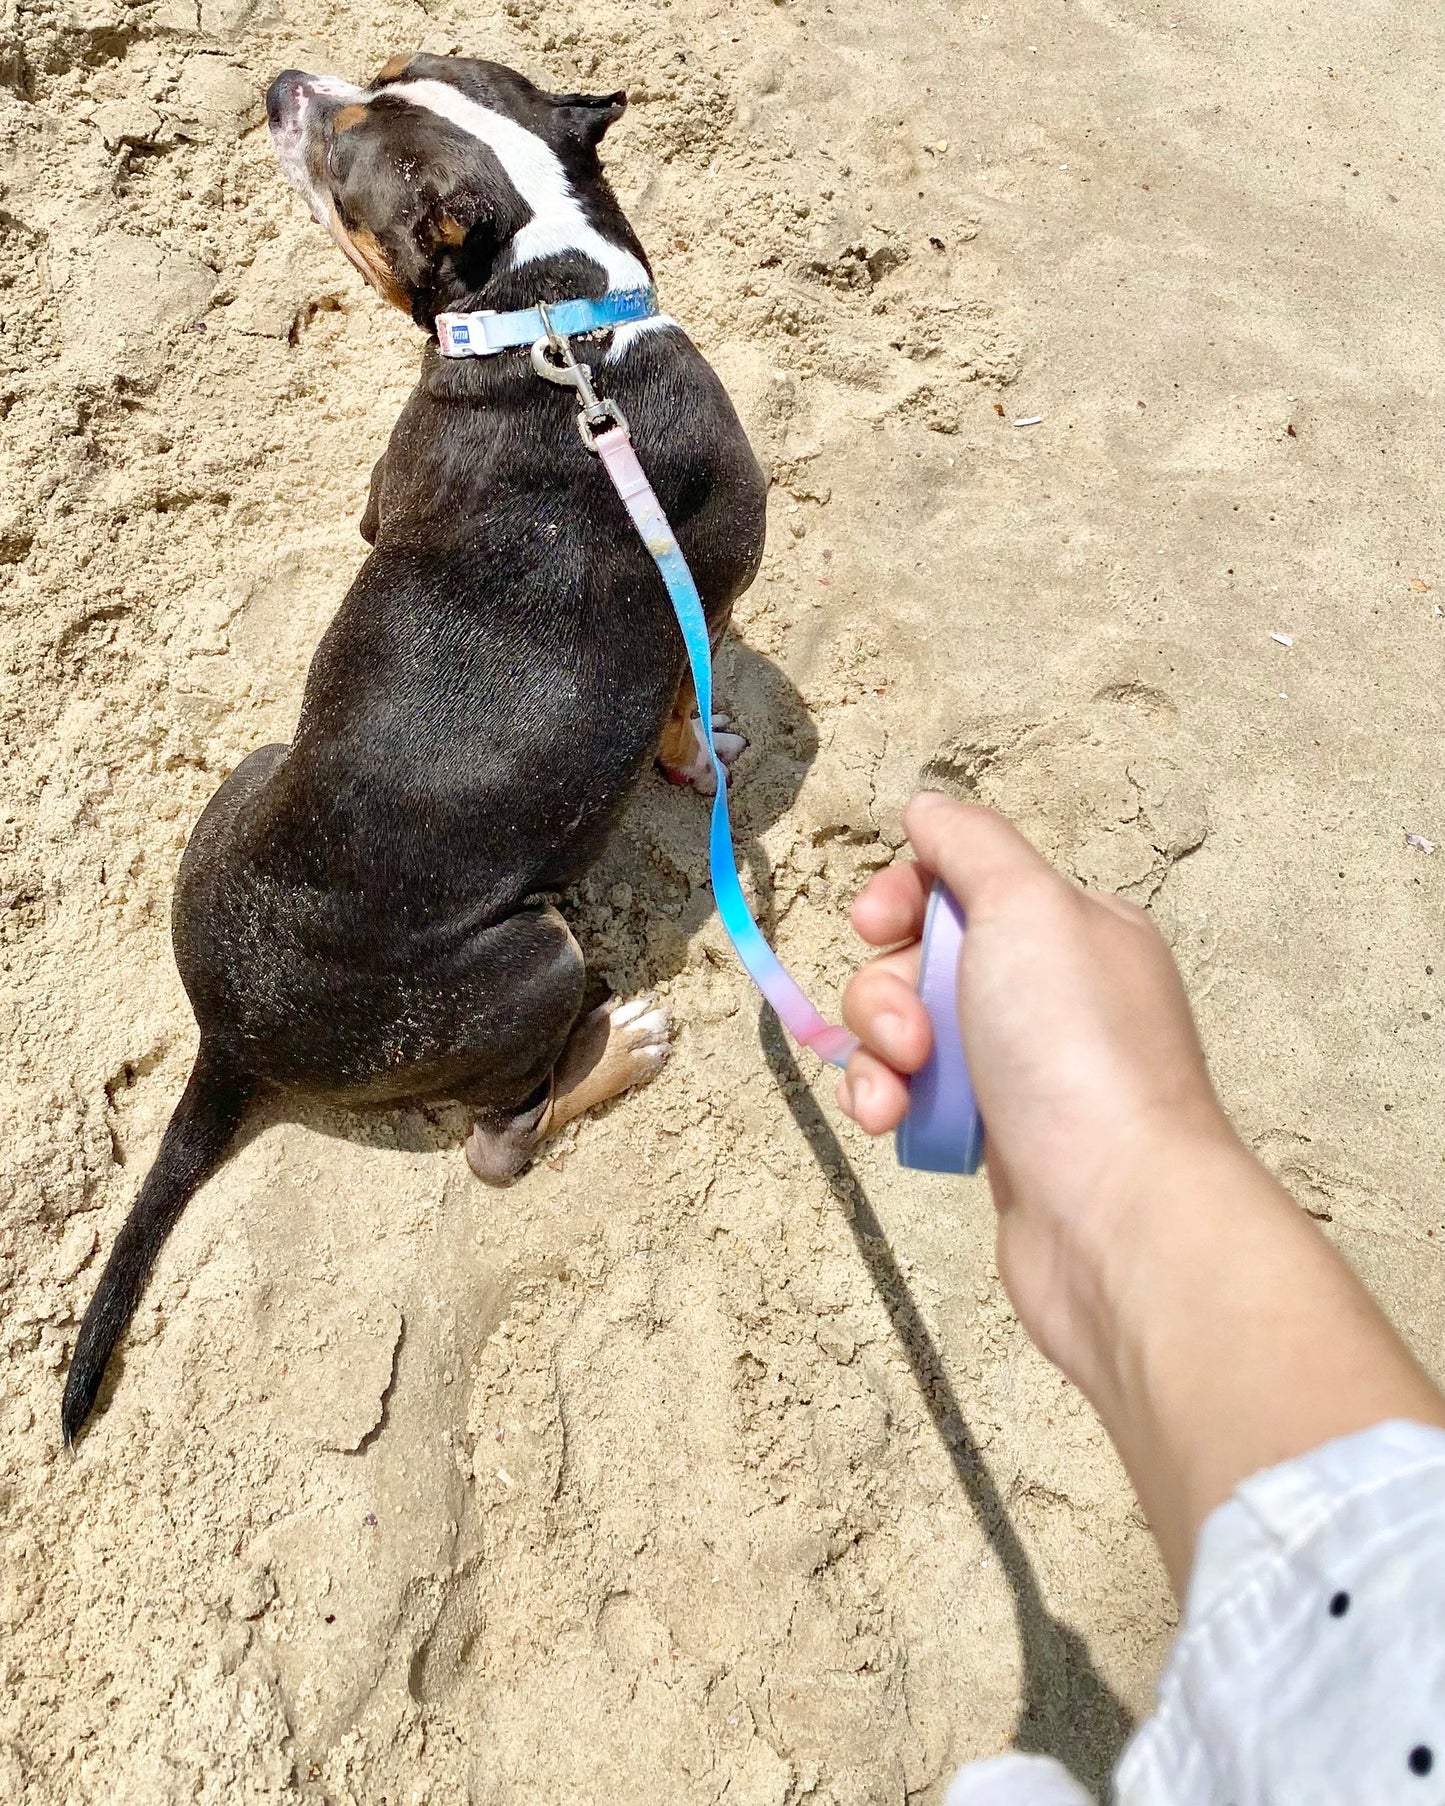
(499, 1029)
(617, 1046)
(682, 751)
(620, 1044)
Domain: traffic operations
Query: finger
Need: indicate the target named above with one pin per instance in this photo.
(890, 905)
(902, 960)
(979, 855)
(872, 1094)
(883, 1008)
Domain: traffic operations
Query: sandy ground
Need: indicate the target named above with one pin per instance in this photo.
(708, 1463)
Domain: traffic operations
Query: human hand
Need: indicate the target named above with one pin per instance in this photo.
(1080, 1044)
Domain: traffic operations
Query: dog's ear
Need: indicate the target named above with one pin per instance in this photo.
(456, 243)
(469, 237)
(583, 118)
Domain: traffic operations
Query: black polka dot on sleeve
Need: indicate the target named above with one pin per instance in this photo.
(1339, 1605)
(1422, 1759)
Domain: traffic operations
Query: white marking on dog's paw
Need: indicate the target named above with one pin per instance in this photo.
(623, 1010)
(639, 1029)
(624, 1042)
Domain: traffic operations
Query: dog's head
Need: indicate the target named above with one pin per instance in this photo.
(428, 175)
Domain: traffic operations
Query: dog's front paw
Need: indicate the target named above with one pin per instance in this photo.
(698, 771)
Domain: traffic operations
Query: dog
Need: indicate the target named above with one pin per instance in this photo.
(357, 918)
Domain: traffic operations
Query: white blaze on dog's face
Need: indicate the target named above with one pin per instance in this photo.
(446, 169)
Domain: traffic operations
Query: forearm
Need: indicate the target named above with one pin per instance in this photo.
(1218, 1333)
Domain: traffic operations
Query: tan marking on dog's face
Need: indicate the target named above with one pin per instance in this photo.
(395, 66)
(450, 231)
(370, 259)
(347, 118)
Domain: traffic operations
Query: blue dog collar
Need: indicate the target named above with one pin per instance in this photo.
(486, 333)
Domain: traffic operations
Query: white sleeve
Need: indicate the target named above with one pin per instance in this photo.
(1310, 1665)
(1015, 1780)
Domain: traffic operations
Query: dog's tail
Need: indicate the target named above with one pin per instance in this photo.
(199, 1136)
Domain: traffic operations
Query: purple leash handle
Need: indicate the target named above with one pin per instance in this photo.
(943, 1131)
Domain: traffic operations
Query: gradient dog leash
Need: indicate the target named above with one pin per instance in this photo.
(942, 1131)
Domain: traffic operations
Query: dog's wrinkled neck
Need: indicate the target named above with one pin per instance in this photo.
(565, 275)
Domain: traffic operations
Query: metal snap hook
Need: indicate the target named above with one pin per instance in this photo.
(569, 373)
(593, 415)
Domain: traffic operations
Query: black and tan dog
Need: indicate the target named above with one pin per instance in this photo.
(355, 918)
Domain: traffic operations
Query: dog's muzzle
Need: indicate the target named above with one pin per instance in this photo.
(296, 103)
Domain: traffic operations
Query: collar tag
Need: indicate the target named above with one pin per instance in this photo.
(465, 335)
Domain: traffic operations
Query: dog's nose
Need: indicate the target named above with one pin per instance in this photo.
(284, 92)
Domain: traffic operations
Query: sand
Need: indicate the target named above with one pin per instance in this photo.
(707, 1464)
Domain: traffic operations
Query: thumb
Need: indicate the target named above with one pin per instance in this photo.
(979, 856)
